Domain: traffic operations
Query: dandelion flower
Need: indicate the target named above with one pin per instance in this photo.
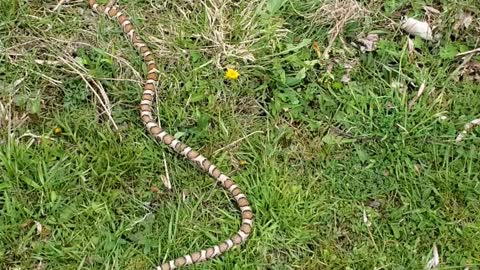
(57, 131)
(232, 74)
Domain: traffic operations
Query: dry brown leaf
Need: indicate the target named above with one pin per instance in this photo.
(410, 45)
(154, 189)
(435, 260)
(346, 78)
(464, 20)
(431, 10)
(42, 230)
(471, 71)
(375, 204)
(369, 43)
(27, 223)
(39, 227)
(349, 65)
(419, 94)
(317, 50)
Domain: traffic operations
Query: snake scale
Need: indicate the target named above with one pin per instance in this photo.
(149, 90)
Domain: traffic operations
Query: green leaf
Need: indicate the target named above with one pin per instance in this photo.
(362, 154)
(179, 134)
(53, 196)
(295, 48)
(449, 51)
(35, 106)
(337, 85)
(395, 230)
(329, 139)
(292, 81)
(106, 61)
(197, 96)
(202, 121)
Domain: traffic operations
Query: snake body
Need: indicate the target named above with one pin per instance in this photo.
(157, 132)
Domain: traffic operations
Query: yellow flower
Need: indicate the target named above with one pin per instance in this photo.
(231, 74)
(57, 131)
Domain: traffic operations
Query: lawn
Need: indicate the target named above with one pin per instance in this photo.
(347, 150)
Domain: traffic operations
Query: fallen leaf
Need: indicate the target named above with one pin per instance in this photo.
(27, 223)
(375, 204)
(346, 78)
(410, 45)
(419, 93)
(17, 82)
(369, 43)
(435, 260)
(431, 10)
(417, 28)
(471, 71)
(464, 21)
(42, 231)
(39, 227)
(348, 65)
(316, 48)
(45, 233)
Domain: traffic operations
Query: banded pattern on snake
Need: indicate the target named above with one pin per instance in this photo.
(149, 90)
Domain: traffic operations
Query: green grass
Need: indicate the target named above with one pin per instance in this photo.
(316, 155)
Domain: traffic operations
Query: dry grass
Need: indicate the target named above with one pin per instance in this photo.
(220, 28)
(310, 155)
(337, 13)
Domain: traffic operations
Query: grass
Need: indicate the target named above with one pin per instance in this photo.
(315, 155)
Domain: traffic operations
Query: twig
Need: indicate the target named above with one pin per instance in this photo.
(419, 94)
(166, 177)
(435, 260)
(60, 4)
(140, 220)
(369, 224)
(33, 138)
(47, 62)
(336, 31)
(237, 141)
(28, 134)
(477, 50)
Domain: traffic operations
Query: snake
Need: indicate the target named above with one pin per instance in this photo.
(150, 85)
